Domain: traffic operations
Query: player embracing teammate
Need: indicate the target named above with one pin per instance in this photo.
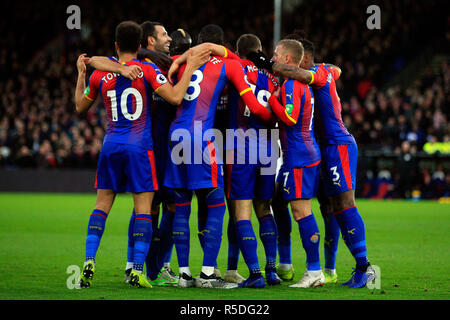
(338, 168)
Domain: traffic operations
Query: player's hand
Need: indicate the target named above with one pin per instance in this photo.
(276, 93)
(197, 58)
(131, 72)
(82, 61)
(260, 60)
(172, 71)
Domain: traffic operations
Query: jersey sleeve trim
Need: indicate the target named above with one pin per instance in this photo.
(226, 52)
(244, 91)
(312, 77)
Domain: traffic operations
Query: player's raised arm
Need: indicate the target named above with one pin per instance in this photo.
(215, 49)
(175, 94)
(106, 64)
(82, 103)
(335, 70)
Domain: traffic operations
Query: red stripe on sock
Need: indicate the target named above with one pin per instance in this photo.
(182, 204)
(336, 213)
(98, 214)
(216, 205)
(144, 219)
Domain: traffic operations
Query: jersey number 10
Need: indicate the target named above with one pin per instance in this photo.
(123, 104)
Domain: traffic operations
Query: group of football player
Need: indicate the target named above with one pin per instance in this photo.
(163, 97)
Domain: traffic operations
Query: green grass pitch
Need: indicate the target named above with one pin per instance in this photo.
(41, 235)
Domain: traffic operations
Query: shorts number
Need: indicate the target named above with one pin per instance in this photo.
(194, 86)
(123, 104)
(336, 175)
(286, 175)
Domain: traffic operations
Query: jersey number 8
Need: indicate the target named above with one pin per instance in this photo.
(193, 91)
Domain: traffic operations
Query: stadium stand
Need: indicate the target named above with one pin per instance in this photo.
(399, 117)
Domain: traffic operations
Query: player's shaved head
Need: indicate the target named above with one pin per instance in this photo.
(128, 36)
(247, 43)
(211, 33)
(293, 48)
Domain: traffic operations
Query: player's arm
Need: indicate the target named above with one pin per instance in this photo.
(236, 75)
(288, 113)
(335, 70)
(82, 103)
(106, 64)
(162, 60)
(175, 94)
(216, 50)
(293, 72)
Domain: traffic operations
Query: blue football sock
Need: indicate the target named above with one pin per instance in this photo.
(268, 236)
(202, 214)
(151, 261)
(165, 234)
(353, 233)
(332, 233)
(130, 247)
(309, 233)
(96, 226)
(284, 226)
(233, 245)
(212, 232)
(248, 244)
(181, 231)
(142, 235)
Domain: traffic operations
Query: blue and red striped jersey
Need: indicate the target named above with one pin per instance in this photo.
(128, 103)
(203, 94)
(263, 84)
(296, 113)
(330, 127)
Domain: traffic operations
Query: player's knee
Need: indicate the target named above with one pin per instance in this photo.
(262, 207)
(343, 201)
(215, 196)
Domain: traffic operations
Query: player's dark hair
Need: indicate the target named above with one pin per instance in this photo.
(181, 41)
(294, 47)
(211, 33)
(128, 36)
(301, 36)
(148, 30)
(247, 43)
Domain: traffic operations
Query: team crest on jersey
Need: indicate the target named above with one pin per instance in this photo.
(289, 108)
(161, 79)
